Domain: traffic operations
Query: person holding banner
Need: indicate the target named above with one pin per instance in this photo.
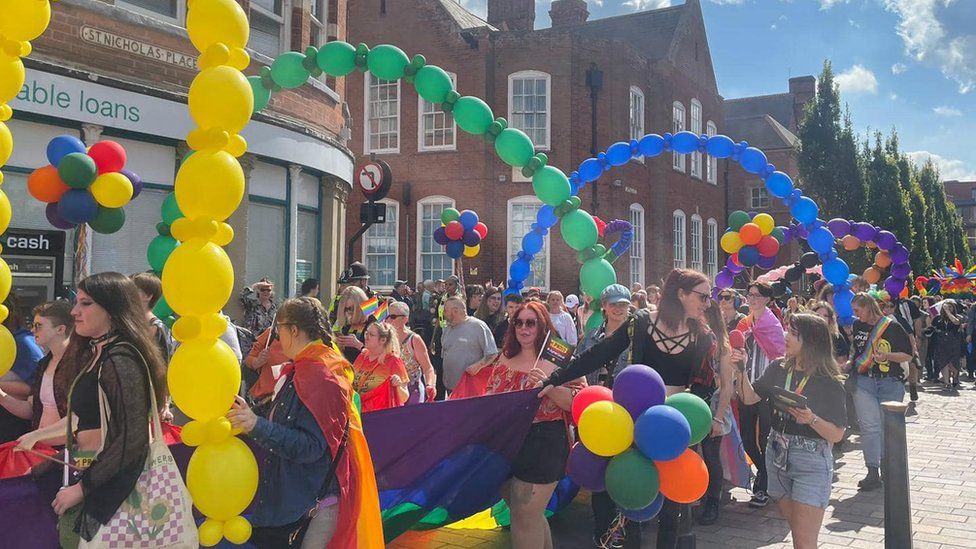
(381, 378)
(879, 349)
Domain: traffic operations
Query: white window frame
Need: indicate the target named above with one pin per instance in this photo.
(711, 162)
(679, 232)
(696, 242)
(320, 22)
(421, 117)
(637, 247)
(678, 124)
(179, 20)
(427, 200)
(511, 88)
(284, 20)
(529, 199)
(390, 205)
(762, 193)
(696, 128)
(367, 88)
(711, 265)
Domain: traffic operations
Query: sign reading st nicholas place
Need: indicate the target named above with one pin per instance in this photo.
(144, 49)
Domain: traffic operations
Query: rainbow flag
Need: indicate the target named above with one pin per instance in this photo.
(382, 311)
(370, 305)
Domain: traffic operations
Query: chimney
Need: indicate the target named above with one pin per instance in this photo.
(512, 14)
(568, 13)
(804, 90)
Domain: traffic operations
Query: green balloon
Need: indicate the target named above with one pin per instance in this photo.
(737, 219)
(473, 115)
(551, 185)
(632, 480)
(696, 411)
(171, 209)
(169, 321)
(107, 220)
(514, 147)
(162, 309)
(337, 58)
(595, 275)
(77, 170)
(288, 70)
(387, 62)
(449, 214)
(262, 95)
(778, 235)
(579, 230)
(158, 252)
(433, 83)
(595, 321)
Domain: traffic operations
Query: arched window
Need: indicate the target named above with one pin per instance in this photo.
(432, 262)
(696, 242)
(677, 125)
(522, 213)
(679, 239)
(529, 101)
(637, 246)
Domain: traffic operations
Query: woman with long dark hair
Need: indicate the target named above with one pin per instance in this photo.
(948, 344)
(674, 340)
(491, 311)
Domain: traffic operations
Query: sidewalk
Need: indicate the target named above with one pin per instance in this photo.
(942, 456)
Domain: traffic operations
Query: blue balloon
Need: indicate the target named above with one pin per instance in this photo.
(77, 206)
(779, 185)
(454, 249)
(684, 142)
(651, 145)
(720, 146)
(590, 170)
(468, 220)
(647, 513)
(440, 236)
(62, 146)
(749, 256)
(836, 271)
(532, 242)
(805, 210)
(662, 433)
(753, 160)
(471, 238)
(821, 240)
(766, 262)
(546, 217)
(519, 269)
(619, 154)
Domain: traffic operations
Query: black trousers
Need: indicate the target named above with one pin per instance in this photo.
(604, 514)
(711, 448)
(754, 423)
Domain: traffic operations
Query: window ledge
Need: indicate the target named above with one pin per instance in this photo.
(427, 150)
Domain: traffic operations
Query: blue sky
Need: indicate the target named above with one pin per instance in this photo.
(908, 64)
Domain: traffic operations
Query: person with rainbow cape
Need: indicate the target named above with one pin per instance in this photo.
(318, 488)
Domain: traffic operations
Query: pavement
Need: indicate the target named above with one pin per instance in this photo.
(942, 457)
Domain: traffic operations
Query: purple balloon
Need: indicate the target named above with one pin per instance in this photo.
(885, 240)
(901, 270)
(51, 211)
(839, 227)
(724, 279)
(800, 231)
(471, 238)
(133, 178)
(899, 254)
(865, 232)
(894, 286)
(638, 387)
(587, 469)
(766, 262)
(732, 266)
(440, 236)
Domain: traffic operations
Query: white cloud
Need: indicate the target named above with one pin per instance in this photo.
(773, 26)
(729, 2)
(948, 168)
(898, 68)
(827, 4)
(857, 79)
(928, 41)
(641, 5)
(854, 23)
(947, 111)
(893, 96)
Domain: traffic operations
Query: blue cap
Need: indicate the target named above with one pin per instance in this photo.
(615, 293)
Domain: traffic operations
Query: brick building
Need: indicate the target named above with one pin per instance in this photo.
(963, 196)
(652, 73)
(121, 69)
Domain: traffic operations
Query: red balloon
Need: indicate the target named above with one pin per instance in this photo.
(109, 156)
(768, 246)
(601, 225)
(737, 340)
(735, 259)
(454, 230)
(481, 229)
(685, 479)
(593, 393)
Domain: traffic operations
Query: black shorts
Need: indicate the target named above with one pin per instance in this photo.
(542, 458)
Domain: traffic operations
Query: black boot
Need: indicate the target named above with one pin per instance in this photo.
(709, 512)
(913, 391)
(871, 482)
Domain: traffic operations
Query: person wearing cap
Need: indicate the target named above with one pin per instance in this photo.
(259, 305)
(401, 292)
(355, 275)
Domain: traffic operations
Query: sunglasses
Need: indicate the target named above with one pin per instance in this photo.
(530, 323)
(394, 317)
(726, 298)
(701, 296)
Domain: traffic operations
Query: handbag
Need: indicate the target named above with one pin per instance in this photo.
(158, 514)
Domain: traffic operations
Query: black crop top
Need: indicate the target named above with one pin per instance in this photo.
(84, 401)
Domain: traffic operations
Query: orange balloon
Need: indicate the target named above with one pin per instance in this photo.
(872, 275)
(871, 245)
(45, 184)
(750, 234)
(685, 479)
(882, 259)
(851, 243)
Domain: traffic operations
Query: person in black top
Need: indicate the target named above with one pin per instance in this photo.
(798, 454)
(512, 302)
(729, 301)
(674, 340)
(948, 344)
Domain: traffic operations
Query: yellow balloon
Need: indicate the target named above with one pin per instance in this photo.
(6, 143)
(6, 280)
(222, 478)
(194, 433)
(218, 429)
(203, 378)
(221, 97)
(237, 530)
(11, 77)
(198, 278)
(8, 350)
(5, 212)
(217, 21)
(212, 326)
(731, 242)
(765, 222)
(112, 190)
(606, 428)
(25, 19)
(471, 251)
(225, 233)
(210, 185)
(210, 532)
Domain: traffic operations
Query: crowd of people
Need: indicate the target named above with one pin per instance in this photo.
(85, 374)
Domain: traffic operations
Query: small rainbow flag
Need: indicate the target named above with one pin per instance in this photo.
(382, 311)
(370, 305)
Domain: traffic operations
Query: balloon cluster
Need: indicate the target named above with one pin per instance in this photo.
(85, 185)
(953, 281)
(752, 240)
(460, 233)
(635, 443)
(20, 22)
(198, 278)
(781, 278)
(891, 254)
(160, 248)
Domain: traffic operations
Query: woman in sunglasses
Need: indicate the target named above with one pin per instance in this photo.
(674, 340)
(728, 304)
(413, 350)
(351, 323)
(381, 378)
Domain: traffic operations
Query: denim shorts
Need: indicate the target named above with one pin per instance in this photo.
(799, 468)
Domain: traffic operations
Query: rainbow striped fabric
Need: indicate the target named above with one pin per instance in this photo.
(370, 305)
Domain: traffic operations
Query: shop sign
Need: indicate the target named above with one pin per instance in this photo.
(144, 49)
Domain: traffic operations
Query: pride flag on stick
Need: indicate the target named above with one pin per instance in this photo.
(370, 305)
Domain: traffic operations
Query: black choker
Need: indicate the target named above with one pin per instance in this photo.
(95, 341)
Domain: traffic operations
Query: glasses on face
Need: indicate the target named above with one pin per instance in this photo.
(726, 297)
(348, 310)
(701, 296)
(751, 295)
(394, 317)
(528, 323)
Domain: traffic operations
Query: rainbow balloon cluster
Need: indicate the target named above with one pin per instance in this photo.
(160, 248)
(204, 376)
(891, 255)
(20, 22)
(635, 443)
(85, 185)
(752, 240)
(460, 233)
(953, 281)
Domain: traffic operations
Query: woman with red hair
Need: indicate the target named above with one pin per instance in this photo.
(541, 461)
